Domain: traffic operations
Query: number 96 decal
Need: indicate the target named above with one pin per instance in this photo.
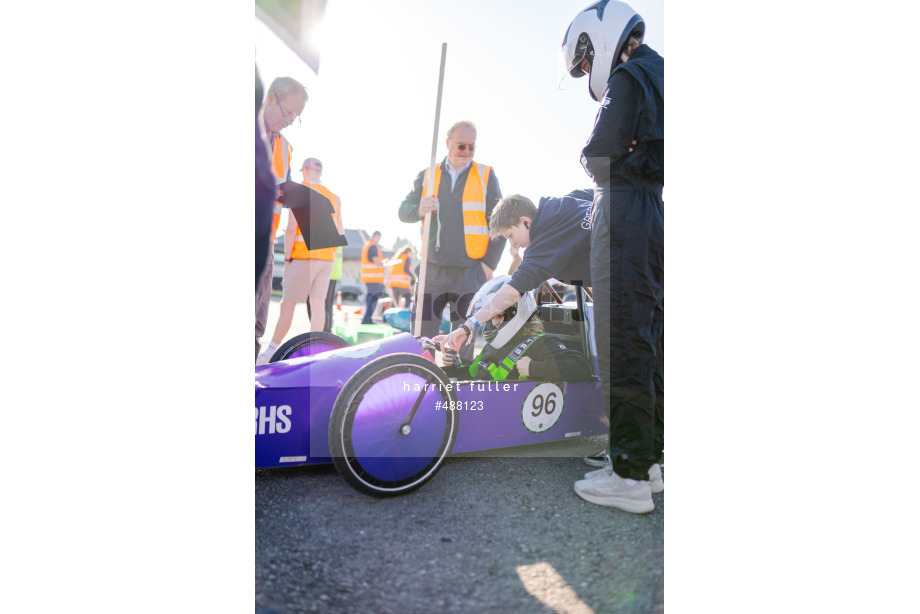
(542, 407)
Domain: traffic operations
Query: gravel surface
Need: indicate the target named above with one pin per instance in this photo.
(487, 534)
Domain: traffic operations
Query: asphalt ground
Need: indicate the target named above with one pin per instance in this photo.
(493, 531)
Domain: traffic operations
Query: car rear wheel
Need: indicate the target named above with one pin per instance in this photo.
(308, 344)
(391, 428)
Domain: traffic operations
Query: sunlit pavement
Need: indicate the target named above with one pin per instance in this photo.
(485, 535)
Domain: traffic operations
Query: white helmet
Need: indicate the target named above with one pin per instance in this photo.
(598, 34)
(515, 316)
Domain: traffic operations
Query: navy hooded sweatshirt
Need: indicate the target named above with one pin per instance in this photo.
(560, 243)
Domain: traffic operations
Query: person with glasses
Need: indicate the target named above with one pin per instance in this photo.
(283, 104)
(556, 238)
(460, 256)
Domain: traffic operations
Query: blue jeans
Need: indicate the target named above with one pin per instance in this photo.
(374, 290)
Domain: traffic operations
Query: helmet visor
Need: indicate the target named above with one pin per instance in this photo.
(575, 59)
(584, 50)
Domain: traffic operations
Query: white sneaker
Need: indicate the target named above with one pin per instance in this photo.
(611, 490)
(655, 481)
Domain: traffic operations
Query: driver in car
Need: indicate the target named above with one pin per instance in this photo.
(517, 347)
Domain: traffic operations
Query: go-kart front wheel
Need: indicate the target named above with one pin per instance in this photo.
(391, 426)
(308, 344)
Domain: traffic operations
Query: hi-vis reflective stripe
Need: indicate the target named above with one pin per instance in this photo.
(370, 271)
(398, 276)
(475, 225)
(281, 162)
(281, 157)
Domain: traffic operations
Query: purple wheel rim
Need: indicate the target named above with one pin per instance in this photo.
(379, 445)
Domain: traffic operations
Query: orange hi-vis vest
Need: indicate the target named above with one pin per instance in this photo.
(300, 250)
(398, 276)
(475, 225)
(370, 272)
(281, 163)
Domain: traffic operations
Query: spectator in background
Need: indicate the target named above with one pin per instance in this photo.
(284, 103)
(306, 271)
(371, 275)
(460, 257)
(402, 279)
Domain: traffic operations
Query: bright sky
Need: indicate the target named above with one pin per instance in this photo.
(371, 110)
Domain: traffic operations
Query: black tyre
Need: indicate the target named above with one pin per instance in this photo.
(390, 428)
(308, 344)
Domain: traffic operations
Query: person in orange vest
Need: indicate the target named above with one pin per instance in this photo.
(283, 104)
(460, 255)
(371, 275)
(401, 277)
(306, 271)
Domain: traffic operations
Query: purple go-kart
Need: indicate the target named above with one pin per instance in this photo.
(387, 416)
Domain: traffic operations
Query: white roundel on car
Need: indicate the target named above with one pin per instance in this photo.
(542, 407)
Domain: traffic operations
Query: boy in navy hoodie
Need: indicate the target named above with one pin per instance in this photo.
(557, 235)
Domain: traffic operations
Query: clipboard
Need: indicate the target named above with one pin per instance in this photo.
(313, 212)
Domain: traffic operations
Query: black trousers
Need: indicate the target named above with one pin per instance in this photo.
(627, 270)
(398, 293)
(373, 292)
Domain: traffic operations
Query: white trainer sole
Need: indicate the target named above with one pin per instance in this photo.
(627, 505)
(656, 485)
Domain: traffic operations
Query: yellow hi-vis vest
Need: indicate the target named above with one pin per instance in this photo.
(370, 272)
(337, 267)
(398, 276)
(300, 251)
(281, 163)
(475, 225)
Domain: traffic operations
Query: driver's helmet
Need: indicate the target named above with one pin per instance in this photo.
(515, 316)
(598, 34)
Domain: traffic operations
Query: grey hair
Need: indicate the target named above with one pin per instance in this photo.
(463, 123)
(286, 86)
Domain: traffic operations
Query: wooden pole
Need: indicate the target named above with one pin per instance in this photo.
(423, 255)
